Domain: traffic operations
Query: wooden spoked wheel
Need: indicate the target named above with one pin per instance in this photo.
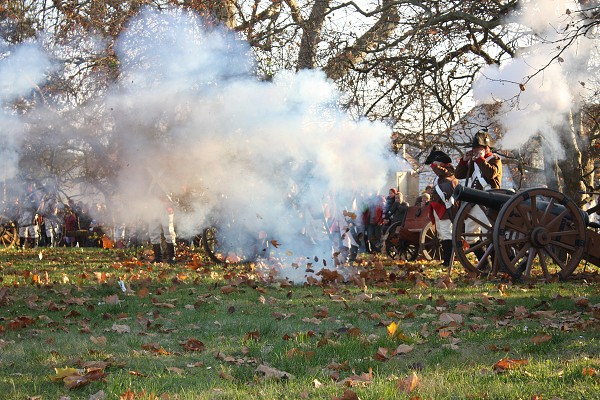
(8, 232)
(472, 233)
(397, 247)
(430, 245)
(540, 228)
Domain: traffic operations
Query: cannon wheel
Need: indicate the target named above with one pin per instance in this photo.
(430, 245)
(398, 248)
(8, 232)
(529, 227)
(460, 239)
(226, 250)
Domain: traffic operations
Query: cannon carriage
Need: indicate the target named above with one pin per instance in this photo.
(413, 236)
(534, 229)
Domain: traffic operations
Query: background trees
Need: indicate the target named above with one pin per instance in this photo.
(412, 64)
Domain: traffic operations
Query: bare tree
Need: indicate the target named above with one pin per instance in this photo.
(409, 63)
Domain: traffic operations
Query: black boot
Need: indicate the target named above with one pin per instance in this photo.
(157, 253)
(447, 252)
(170, 253)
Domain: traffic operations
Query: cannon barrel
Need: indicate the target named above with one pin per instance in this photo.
(483, 198)
(496, 201)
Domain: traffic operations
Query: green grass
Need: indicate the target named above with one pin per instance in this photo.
(324, 338)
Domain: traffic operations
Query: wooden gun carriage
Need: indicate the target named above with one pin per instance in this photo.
(534, 228)
(413, 236)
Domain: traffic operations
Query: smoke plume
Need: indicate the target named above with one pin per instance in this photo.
(191, 122)
(540, 85)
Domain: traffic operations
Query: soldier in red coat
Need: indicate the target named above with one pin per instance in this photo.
(442, 206)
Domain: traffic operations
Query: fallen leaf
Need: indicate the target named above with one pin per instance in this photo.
(391, 329)
(143, 292)
(448, 318)
(382, 354)
(402, 349)
(269, 372)
(540, 339)
(348, 395)
(62, 373)
(589, 371)
(121, 328)
(98, 396)
(366, 378)
(506, 364)
(194, 345)
(409, 384)
(176, 370)
(227, 289)
(100, 340)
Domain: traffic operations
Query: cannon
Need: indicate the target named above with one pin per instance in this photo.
(412, 237)
(518, 229)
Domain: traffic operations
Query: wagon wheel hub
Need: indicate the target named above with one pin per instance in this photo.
(540, 236)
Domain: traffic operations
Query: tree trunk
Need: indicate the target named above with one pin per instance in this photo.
(311, 35)
(383, 29)
(570, 165)
(550, 168)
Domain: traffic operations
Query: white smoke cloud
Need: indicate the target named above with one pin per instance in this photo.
(190, 114)
(22, 68)
(551, 89)
(188, 118)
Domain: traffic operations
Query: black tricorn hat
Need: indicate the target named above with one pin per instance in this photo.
(482, 138)
(437, 155)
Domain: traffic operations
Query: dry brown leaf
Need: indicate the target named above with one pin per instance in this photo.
(155, 348)
(194, 345)
(121, 328)
(176, 370)
(254, 335)
(112, 300)
(541, 339)
(402, 349)
(589, 371)
(225, 376)
(364, 379)
(227, 289)
(506, 364)
(382, 354)
(100, 395)
(100, 340)
(269, 372)
(143, 292)
(408, 384)
(348, 395)
(92, 365)
(449, 318)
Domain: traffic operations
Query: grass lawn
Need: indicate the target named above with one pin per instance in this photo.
(107, 324)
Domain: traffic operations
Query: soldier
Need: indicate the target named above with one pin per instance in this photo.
(49, 210)
(442, 206)
(28, 229)
(479, 166)
(482, 170)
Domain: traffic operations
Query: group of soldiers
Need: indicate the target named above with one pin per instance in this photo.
(38, 217)
(482, 170)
